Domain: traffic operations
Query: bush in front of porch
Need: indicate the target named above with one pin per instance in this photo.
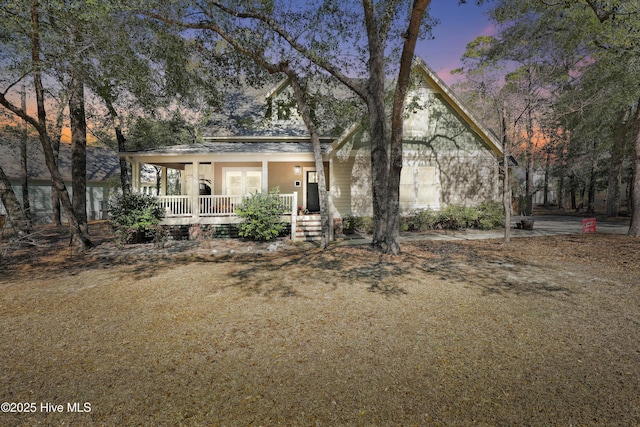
(134, 216)
(261, 214)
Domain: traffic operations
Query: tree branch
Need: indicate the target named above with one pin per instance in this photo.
(351, 83)
(19, 112)
(601, 14)
(16, 82)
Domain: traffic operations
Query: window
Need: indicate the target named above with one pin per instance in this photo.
(418, 186)
(242, 181)
(407, 188)
(417, 122)
(427, 190)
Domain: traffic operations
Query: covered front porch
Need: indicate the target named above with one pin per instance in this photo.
(205, 183)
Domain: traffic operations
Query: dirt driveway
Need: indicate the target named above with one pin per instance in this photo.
(543, 332)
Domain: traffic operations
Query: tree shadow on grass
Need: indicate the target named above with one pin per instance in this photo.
(332, 267)
(48, 254)
(454, 262)
(495, 274)
(284, 273)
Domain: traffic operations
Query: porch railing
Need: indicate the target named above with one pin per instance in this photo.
(176, 206)
(181, 206)
(289, 202)
(218, 205)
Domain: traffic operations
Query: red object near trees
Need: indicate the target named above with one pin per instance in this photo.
(589, 225)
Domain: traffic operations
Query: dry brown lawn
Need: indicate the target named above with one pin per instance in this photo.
(545, 331)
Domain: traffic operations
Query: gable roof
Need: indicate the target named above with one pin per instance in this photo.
(274, 91)
(244, 115)
(440, 87)
(244, 129)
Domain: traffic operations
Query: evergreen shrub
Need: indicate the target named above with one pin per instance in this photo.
(487, 216)
(261, 214)
(491, 215)
(134, 216)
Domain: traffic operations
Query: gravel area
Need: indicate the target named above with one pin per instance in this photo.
(544, 331)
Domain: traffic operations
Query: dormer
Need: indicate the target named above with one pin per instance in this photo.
(281, 104)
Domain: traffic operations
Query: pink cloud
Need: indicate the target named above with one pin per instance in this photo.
(489, 30)
(445, 73)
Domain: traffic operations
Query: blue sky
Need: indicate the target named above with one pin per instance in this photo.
(459, 24)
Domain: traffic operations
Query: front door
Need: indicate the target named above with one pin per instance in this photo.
(313, 197)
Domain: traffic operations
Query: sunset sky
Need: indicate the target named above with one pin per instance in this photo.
(459, 24)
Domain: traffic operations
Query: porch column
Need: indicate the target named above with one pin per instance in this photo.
(294, 216)
(265, 176)
(195, 187)
(163, 182)
(329, 202)
(135, 176)
(213, 178)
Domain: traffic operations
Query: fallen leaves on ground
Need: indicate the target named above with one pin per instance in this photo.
(543, 331)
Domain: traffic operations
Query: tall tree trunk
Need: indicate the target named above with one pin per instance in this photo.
(125, 180)
(506, 182)
(386, 156)
(573, 191)
(591, 190)
(56, 134)
(24, 179)
(615, 169)
(591, 195)
(79, 234)
(158, 179)
(529, 165)
(16, 215)
(562, 171)
(379, 171)
(24, 167)
(374, 99)
(634, 227)
(305, 112)
(561, 191)
(547, 167)
(78, 148)
(392, 242)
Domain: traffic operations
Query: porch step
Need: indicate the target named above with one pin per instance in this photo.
(309, 228)
(300, 235)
